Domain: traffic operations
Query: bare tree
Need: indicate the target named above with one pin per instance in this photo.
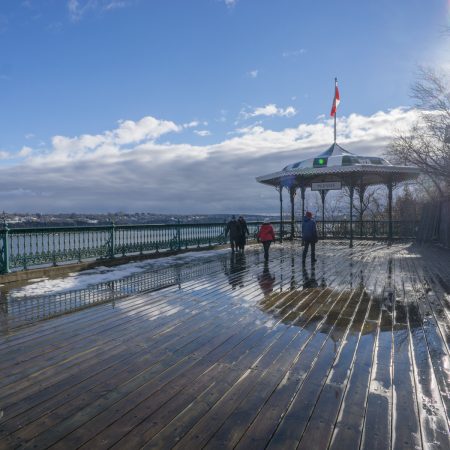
(407, 204)
(337, 205)
(424, 144)
(367, 201)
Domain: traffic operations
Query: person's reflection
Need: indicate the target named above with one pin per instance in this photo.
(323, 283)
(293, 271)
(266, 279)
(388, 293)
(236, 270)
(3, 304)
(309, 281)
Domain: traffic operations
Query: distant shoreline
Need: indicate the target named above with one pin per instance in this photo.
(30, 220)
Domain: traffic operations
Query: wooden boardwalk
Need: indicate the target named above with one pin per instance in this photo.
(351, 353)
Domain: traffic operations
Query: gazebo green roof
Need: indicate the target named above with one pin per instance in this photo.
(338, 164)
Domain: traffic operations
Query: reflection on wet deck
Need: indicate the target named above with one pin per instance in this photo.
(352, 352)
(16, 311)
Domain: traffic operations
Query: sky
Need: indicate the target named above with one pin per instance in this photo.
(175, 106)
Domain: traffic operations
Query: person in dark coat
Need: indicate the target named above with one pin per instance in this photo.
(309, 236)
(244, 233)
(266, 235)
(234, 230)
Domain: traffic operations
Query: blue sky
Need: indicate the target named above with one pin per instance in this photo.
(218, 70)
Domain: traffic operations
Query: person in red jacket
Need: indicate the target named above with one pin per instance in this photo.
(266, 235)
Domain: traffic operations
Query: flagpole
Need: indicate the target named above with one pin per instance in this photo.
(335, 113)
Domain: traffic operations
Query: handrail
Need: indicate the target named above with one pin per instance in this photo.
(23, 248)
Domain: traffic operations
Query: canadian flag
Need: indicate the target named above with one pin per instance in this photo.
(336, 101)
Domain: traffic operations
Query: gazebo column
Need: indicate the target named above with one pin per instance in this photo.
(302, 193)
(361, 192)
(351, 192)
(292, 193)
(323, 194)
(390, 187)
(280, 190)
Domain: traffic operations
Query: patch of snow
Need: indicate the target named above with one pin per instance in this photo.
(102, 274)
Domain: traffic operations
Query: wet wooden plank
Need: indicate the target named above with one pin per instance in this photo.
(45, 400)
(142, 371)
(292, 425)
(311, 426)
(274, 410)
(378, 419)
(405, 418)
(125, 416)
(168, 433)
(233, 429)
(101, 345)
(432, 414)
(225, 361)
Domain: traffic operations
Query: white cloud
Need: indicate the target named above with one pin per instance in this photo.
(202, 133)
(25, 151)
(78, 8)
(129, 132)
(223, 116)
(293, 53)
(253, 73)
(4, 154)
(128, 169)
(147, 128)
(75, 9)
(270, 111)
(193, 124)
(115, 4)
(230, 3)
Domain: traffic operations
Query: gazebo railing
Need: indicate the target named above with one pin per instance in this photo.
(366, 229)
(23, 248)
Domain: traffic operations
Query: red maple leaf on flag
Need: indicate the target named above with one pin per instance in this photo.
(336, 101)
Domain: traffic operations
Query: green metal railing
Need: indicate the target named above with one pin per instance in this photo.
(366, 229)
(23, 248)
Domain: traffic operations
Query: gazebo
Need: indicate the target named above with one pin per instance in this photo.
(333, 169)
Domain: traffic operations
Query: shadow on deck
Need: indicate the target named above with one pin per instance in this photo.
(227, 351)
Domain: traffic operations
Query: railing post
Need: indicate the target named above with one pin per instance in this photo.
(178, 235)
(112, 240)
(352, 191)
(390, 186)
(53, 250)
(5, 249)
(281, 213)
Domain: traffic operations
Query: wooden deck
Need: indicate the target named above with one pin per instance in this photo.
(352, 353)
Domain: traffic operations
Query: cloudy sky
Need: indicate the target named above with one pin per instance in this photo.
(177, 105)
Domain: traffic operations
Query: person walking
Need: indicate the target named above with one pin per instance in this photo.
(309, 236)
(266, 235)
(234, 230)
(244, 233)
